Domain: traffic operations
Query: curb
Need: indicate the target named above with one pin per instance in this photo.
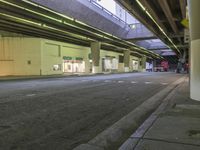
(135, 138)
(16, 78)
(87, 147)
(115, 135)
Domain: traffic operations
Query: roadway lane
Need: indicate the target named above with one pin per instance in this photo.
(61, 113)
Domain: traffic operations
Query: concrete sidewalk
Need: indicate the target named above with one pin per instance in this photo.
(174, 126)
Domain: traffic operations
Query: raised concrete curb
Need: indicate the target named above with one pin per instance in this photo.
(13, 78)
(135, 138)
(114, 136)
(87, 147)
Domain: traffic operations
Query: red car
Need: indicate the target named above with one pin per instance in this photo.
(165, 65)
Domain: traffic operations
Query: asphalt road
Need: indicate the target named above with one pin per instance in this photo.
(61, 113)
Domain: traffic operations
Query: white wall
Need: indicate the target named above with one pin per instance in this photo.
(104, 53)
(51, 55)
(77, 51)
(53, 52)
(131, 62)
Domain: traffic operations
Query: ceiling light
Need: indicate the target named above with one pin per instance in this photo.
(132, 26)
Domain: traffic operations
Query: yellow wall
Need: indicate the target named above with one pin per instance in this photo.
(15, 53)
(6, 57)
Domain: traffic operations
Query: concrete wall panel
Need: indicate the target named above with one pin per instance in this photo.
(88, 13)
(20, 56)
(35, 56)
(50, 55)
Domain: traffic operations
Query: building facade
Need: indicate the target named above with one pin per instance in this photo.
(37, 56)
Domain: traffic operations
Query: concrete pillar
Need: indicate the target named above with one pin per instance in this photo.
(194, 26)
(126, 60)
(184, 55)
(95, 52)
(154, 64)
(144, 59)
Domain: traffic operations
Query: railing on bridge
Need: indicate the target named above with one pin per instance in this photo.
(138, 28)
(107, 11)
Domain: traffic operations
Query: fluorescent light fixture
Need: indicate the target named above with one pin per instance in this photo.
(37, 5)
(132, 26)
(140, 4)
(21, 19)
(65, 22)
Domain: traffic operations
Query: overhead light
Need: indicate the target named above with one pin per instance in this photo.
(61, 20)
(132, 26)
(140, 4)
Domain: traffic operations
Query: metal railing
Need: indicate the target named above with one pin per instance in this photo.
(139, 30)
(107, 11)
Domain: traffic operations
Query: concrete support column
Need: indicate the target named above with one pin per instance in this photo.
(194, 12)
(154, 64)
(95, 52)
(184, 55)
(144, 59)
(126, 60)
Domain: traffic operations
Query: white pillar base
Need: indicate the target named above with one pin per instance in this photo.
(126, 69)
(195, 70)
(95, 69)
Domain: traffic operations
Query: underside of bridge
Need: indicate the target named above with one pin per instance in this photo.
(164, 19)
(99, 75)
(31, 19)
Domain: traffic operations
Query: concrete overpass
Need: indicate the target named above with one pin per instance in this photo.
(73, 75)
